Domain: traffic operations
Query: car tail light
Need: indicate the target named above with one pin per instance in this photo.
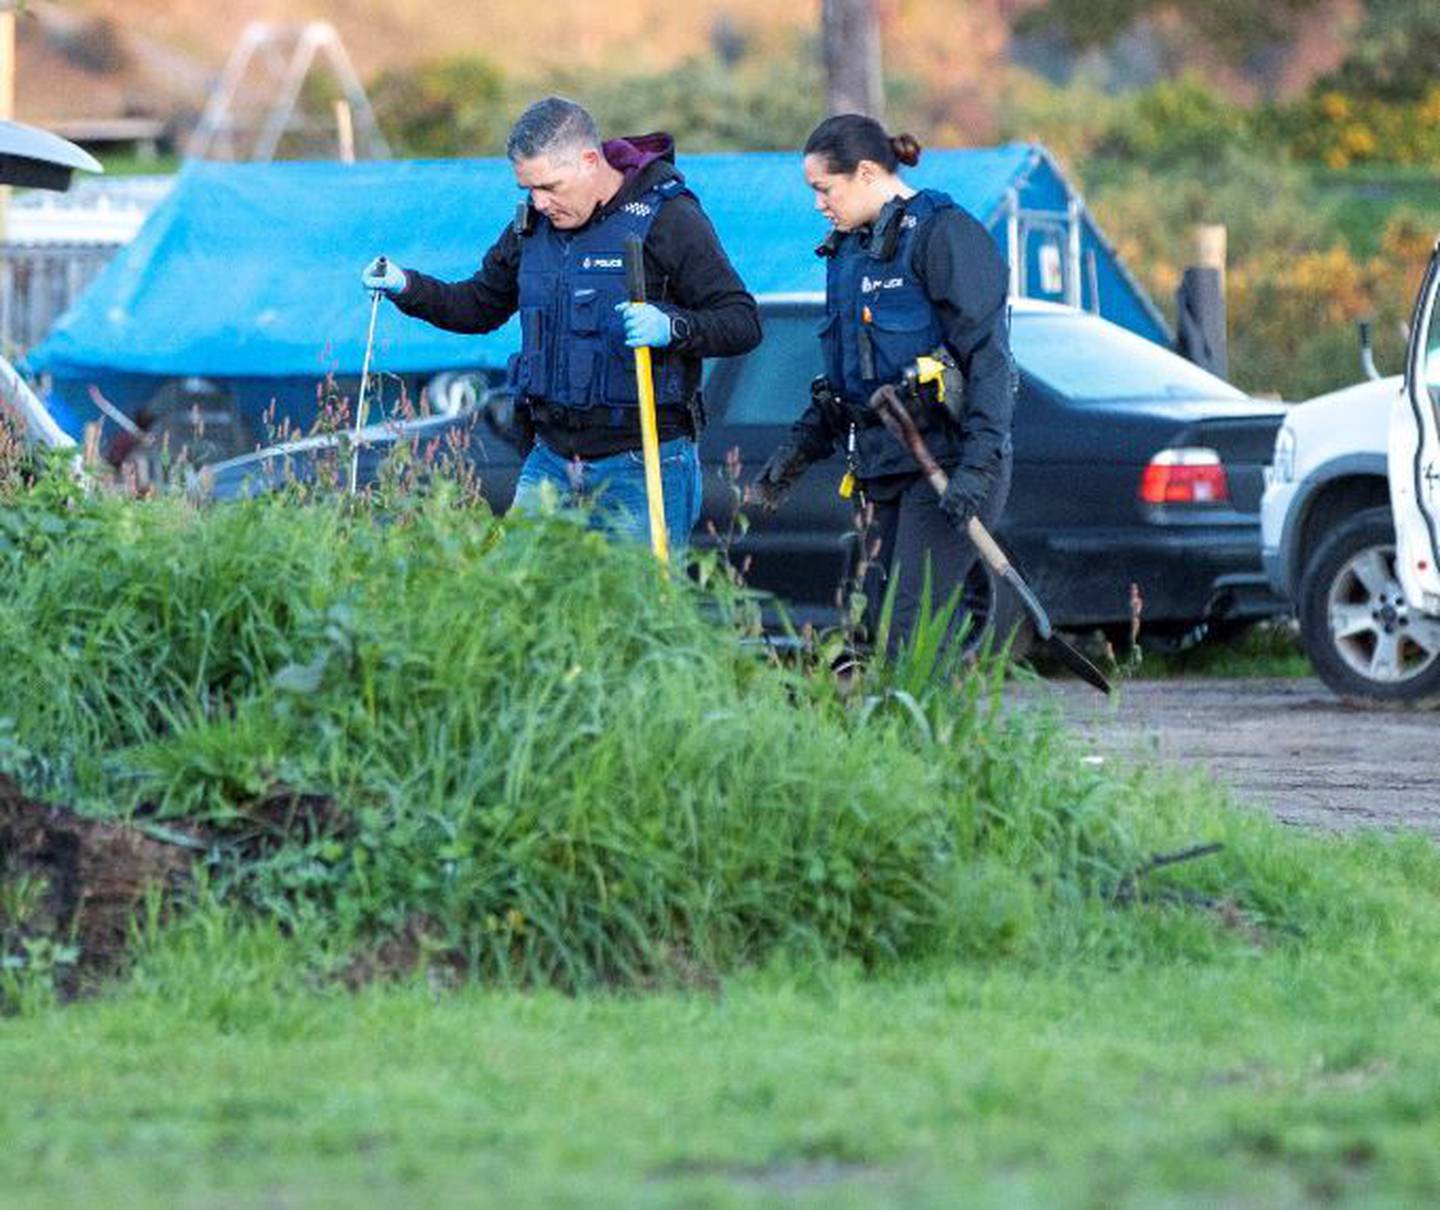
(1192, 475)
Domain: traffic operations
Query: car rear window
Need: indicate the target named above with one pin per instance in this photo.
(1089, 359)
(772, 384)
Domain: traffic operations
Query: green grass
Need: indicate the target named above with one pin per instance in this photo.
(533, 748)
(135, 164)
(1268, 649)
(1268, 1078)
(532, 751)
(1362, 201)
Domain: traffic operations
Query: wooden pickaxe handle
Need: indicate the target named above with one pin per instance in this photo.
(893, 414)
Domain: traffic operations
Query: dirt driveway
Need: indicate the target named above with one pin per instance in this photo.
(1288, 745)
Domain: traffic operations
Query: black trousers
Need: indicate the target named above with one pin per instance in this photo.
(908, 531)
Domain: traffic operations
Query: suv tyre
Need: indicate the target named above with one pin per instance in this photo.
(1363, 640)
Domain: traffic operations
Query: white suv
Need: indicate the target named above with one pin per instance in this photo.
(1369, 618)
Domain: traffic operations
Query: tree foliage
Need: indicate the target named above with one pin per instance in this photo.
(446, 107)
(1235, 26)
(464, 105)
(1396, 54)
(763, 104)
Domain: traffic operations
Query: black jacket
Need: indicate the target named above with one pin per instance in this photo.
(686, 273)
(963, 274)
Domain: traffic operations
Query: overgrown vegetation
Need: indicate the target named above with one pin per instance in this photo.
(518, 742)
(515, 746)
(420, 741)
(1239, 27)
(1310, 254)
(449, 107)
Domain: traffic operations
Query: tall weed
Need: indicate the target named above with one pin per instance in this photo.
(517, 749)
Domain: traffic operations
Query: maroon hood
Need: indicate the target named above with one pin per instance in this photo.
(629, 155)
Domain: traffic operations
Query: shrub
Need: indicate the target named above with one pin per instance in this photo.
(1073, 122)
(445, 107)
(1392, 57)
(1176, 122)
(518, 743)
(763, 103)
(464, 105)
(1340, 129)
(1296, 287)
(1173, 124)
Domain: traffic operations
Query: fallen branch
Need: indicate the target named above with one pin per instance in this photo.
(1127, 889)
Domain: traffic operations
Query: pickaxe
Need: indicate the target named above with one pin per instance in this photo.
(888, 405)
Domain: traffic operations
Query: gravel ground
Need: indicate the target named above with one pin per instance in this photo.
(1288, 745)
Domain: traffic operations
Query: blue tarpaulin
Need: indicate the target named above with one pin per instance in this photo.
(252, 270)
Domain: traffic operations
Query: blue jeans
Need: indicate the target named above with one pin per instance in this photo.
(615, 488)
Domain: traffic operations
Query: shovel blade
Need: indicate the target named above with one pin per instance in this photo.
(1077, 663)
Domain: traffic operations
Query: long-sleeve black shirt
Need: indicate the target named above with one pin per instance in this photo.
(965, 277)
(959, 267)
(686, 274)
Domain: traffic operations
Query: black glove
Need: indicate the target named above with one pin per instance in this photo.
(778, 475)
(962, 498)
(826, 404)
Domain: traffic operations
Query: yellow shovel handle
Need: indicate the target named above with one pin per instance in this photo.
(650, 449)
(645, 384)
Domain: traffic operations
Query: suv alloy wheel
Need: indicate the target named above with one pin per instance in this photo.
(1358, 632)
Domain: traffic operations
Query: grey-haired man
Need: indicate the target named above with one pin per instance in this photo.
(560, 265)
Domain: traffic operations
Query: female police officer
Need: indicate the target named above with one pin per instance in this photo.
(908, 274)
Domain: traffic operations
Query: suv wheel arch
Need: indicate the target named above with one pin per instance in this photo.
(1329, 506)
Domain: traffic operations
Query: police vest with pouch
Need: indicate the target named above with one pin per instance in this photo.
(573, 352)
(874, 299)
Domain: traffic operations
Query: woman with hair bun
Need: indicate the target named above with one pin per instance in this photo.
(908, 274)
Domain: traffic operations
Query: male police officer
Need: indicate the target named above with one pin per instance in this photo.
(561, 266)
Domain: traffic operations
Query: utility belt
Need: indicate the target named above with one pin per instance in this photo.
(933, 383)
(688, 418)
(932, 390)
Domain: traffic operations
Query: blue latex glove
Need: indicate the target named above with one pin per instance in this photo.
(645, 324)
(384, 275)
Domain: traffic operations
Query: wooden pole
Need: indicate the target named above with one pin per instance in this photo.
(1202, 328)
(850, 33)
(1211, 249)
(345, 130)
